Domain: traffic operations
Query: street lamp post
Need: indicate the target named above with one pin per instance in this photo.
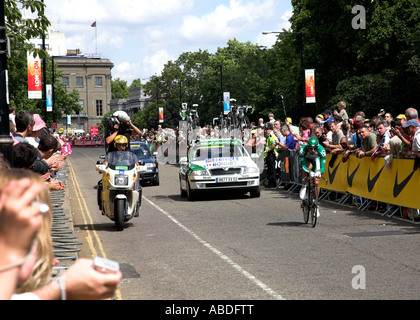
(6, 142)
(301, 61)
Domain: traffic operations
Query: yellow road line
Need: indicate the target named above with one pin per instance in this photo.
(87, 218)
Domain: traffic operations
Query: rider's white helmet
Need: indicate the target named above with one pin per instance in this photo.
(122, 116)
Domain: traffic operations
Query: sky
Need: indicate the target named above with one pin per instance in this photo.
(141, 36)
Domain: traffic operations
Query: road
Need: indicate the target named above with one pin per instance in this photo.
(232, 247)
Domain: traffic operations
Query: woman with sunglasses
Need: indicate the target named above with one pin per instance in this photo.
(311, 159)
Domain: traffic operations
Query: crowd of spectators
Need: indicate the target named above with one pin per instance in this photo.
(27, 259)
(381, 135)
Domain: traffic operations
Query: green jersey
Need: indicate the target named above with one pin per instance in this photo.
(317, 159)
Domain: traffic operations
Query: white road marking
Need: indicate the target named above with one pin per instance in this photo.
(237, 267)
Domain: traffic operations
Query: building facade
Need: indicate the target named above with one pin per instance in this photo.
(91, 77)
(137, 101)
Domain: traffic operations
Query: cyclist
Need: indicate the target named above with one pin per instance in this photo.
(311, 159)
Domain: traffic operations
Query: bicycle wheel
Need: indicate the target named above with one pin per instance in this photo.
(245, 123)
(306, 205)
(314, 205)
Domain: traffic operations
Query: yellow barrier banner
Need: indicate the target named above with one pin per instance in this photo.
(398, 184)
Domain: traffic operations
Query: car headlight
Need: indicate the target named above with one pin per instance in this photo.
(199, 173)
(249, 170)
(121, 180)
(151, 165)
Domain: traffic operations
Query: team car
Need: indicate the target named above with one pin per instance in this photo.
(218, 164)
(148, 162)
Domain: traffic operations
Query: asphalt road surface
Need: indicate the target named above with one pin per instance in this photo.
(231, 247)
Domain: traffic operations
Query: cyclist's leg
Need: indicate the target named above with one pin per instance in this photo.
(316, 181)
(305, 176)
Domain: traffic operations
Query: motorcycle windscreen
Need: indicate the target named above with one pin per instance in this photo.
(121, 160)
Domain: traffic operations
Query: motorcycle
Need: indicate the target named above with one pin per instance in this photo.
(119, 192)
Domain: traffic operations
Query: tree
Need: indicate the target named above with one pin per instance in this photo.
(20, 30)
(340, 53)
(119, 89)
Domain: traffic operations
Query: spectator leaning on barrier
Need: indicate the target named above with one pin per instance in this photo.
(369, 142)
(319, 134)
(24, 125)
(345, 148)
(412, 128)
(33, 136)
(290, 142)
(395, 142)
(336, 136)
(411, 113)
(24, 156)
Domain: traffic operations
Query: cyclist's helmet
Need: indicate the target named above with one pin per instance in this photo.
(313, 142)
(120, 141)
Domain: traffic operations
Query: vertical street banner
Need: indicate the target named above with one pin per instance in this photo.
(160, 114)
(49, 98)
(310, 85)
(94, 131)
(226, 102)
(34, 77)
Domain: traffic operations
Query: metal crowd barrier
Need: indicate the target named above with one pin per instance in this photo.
(294, 182)
(63, 236)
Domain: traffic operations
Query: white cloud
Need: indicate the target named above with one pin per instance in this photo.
(154, 64)
(270, 39)
(113, 12)
(141, 36)
(226, 22)
(126, 71)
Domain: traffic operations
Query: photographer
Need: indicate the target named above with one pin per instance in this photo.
(119, 124)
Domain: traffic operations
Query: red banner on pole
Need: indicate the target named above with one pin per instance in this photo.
(160, 115)
(34, 77)
(310, 85)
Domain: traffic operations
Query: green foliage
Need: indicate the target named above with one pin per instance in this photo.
(373, 68)
(119, 89)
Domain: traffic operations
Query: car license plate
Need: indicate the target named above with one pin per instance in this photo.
(227, 179)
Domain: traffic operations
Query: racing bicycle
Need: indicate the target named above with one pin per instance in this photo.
(310, 204)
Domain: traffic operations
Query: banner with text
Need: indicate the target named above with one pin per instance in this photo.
(34, 77)
(310, 85)
(160, 114)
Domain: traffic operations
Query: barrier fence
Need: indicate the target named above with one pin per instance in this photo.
(395, 184)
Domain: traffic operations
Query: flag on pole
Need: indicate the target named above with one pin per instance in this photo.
(93, 25)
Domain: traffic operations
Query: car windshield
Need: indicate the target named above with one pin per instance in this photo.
(121, 160)
(222, 151)
(142, 152)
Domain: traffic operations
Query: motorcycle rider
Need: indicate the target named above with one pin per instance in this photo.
(125, 128)
(120, 144)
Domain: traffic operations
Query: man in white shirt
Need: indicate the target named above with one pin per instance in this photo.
(412, 128)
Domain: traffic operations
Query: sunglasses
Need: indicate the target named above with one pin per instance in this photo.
(121, 145)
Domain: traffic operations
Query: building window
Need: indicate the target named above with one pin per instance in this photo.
(98, 81)
(99, 111)
(79, 82)
(81, 103)
(66, 81)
